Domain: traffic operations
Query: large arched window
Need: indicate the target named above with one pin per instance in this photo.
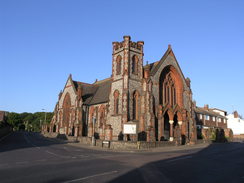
(169, 91)
(116, 102)
(135, 105)
(118, 65)
(66, 109)
(135, 61)
(102, 115)
(171, 87)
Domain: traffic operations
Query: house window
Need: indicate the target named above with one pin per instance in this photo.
(219, 120)
(118, 65)
(200, 116)
(213, 118)
(206, 117)
(116, 102)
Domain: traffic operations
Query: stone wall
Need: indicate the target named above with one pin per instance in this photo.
(132, 145)
(217, 135)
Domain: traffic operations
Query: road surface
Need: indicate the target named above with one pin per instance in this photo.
(29, 157)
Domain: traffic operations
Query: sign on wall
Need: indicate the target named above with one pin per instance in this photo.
(130, 128)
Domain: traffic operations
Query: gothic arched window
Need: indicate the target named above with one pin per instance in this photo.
(169, 91)
(135, 105)
(102, 115)
(116, 102)
(66, 109)
(118, 65)
(135, 61)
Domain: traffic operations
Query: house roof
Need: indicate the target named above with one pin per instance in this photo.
(95, 93)
(210, 112)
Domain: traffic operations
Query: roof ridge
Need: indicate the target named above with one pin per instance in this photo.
(80, 82)
(209, 111)
(102, 81)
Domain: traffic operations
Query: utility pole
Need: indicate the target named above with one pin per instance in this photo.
(45, 116)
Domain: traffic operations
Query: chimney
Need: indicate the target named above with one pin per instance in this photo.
(206, 106)
(236, 114)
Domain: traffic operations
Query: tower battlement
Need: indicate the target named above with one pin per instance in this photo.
(127, 43)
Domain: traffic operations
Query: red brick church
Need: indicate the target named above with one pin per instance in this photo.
(153, 100)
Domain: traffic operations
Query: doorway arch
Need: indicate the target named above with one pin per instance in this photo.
(166, 127)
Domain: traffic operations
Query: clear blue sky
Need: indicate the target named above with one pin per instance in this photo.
(43, 41)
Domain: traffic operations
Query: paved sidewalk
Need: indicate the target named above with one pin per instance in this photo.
(156, 149)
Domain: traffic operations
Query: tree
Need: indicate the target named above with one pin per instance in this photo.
(28, 121)
(14, 119)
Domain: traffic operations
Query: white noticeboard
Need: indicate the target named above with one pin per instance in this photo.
(130, 128)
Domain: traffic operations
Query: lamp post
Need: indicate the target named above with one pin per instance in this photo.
(93, 130)
(43, 110)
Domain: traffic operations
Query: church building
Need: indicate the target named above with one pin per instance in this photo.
(151, 102)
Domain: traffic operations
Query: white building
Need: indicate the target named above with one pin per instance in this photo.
(235, 123)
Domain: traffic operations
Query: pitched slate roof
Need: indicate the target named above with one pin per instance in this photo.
(95, 93)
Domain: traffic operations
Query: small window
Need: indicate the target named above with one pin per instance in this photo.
(213, 118)
(200, 116)
(206, 117)
(135, 61)
(118, 65)
(116, 102)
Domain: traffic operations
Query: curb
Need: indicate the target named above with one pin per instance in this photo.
(152, 150)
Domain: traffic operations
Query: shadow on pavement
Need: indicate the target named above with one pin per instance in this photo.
(216, 163)
(22, 139)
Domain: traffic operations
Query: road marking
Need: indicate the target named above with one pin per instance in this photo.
(5, 136)
(81, 155)
(41, 160)
(28, 141)
(22, 162)
(91, 176)
(60, 156)
(186, 157)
